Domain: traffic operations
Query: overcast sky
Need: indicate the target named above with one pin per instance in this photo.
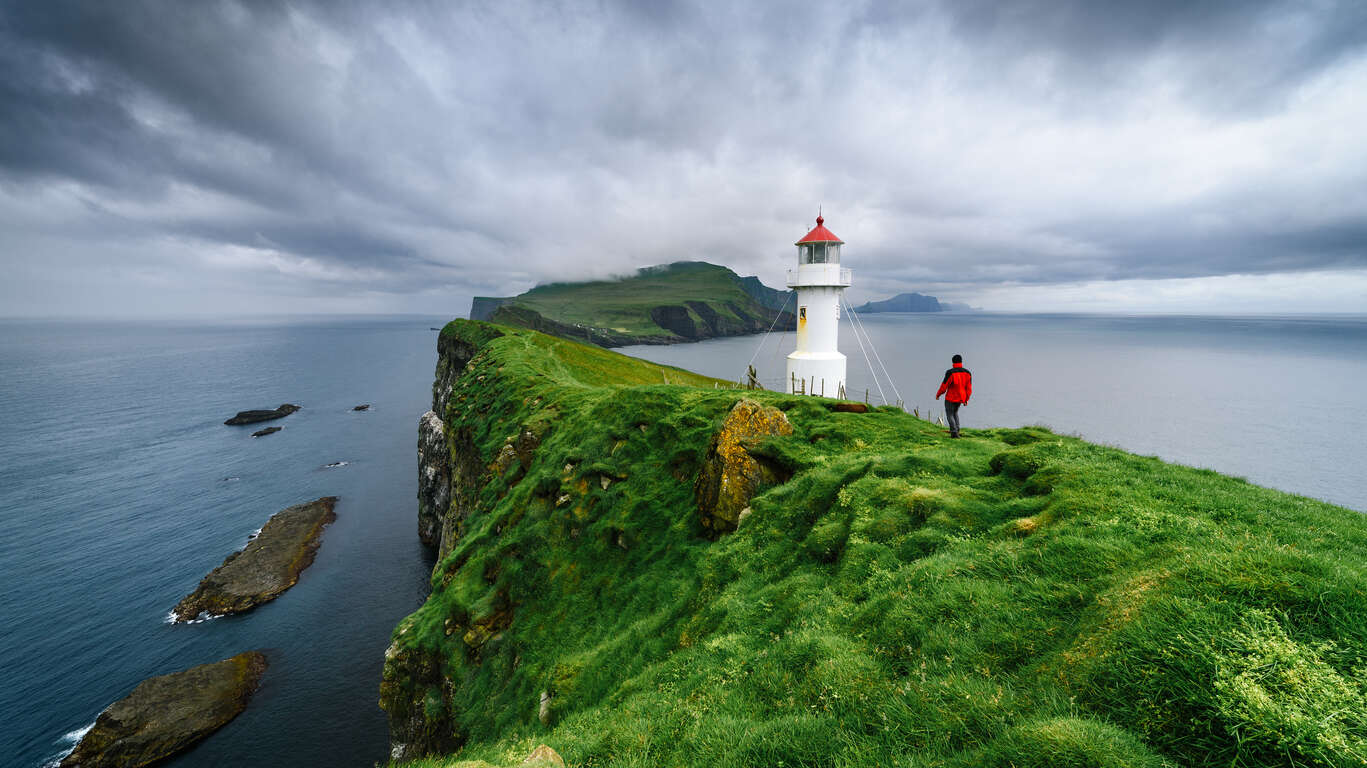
(205, 157)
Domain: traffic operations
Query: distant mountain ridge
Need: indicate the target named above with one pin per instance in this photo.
(904, 302)
(666, 304)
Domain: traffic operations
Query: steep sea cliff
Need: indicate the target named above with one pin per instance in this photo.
(638, 566)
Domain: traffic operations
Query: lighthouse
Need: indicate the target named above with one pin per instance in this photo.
(816, 367)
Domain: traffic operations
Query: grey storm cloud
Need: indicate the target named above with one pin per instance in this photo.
(415, 154)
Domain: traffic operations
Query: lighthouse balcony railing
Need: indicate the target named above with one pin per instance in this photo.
(819, 275)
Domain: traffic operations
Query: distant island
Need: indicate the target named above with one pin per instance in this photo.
(668, 304)
(904, 302)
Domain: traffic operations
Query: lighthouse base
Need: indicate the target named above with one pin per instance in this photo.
(816, 373)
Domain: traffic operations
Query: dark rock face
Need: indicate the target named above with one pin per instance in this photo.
(266, 431)
(483, 307)
(408, 677)
(769, 297)
(730, 476)
(168, 714)
(269, 565)
(362, 407)
(434, 478)
(252, 417)
(676, 320)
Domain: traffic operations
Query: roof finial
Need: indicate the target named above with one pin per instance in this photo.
(819, 220)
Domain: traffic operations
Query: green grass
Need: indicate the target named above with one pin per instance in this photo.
(623, 306)
(1014, 598)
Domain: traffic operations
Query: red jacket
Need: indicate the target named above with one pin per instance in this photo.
(957, 386)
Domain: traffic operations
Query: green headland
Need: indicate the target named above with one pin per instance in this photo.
(684, 301)
(887, 597)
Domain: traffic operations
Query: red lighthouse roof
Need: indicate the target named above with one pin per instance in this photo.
(820, 234)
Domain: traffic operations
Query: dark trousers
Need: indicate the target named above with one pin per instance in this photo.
(952, 416)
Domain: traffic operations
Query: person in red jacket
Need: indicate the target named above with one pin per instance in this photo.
(957, 388)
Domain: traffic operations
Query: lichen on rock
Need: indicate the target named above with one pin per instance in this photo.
(730, 476)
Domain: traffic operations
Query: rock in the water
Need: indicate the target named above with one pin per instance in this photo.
(168, 714)
(362, 407)
(730, 476)
(266, 431)
(270, 564)
(544, 757)
(252, 417)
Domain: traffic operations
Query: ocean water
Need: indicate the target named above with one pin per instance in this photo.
(120, 488)
(1281, 401)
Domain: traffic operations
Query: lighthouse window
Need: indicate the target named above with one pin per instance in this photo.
(819, 253)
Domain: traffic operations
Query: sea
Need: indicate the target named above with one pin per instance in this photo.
(120, 487)
(1280, 401)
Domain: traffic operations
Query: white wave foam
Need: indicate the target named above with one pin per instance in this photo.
(336, 464)
(74, 737)
(232, 479)
(200, 619)
(69, 739)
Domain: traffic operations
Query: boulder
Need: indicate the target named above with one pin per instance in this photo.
(730, 476)
(362, 407)
(266, 431)
(269, 565)
(168, 714)
(252, 417)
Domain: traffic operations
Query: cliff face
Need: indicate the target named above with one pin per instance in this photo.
(635, 572)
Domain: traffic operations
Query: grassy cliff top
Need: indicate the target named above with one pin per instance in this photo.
(1014, 598)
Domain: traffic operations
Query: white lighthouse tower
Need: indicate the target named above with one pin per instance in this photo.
(816, 367)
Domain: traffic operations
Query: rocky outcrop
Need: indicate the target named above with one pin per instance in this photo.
(168, 714)
(730, 476)
(362, 407)
(266, 431)
(252, 417)
(434, 478)
(269, 565)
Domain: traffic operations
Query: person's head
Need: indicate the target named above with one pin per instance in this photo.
(957, 359)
